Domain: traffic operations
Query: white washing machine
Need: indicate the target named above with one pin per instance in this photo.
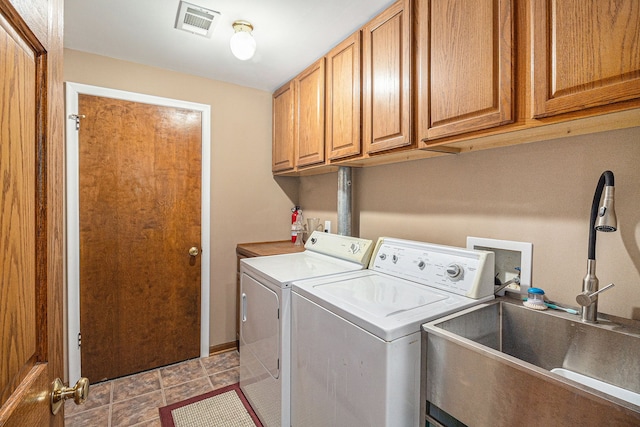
(356, 336)
(265, 326)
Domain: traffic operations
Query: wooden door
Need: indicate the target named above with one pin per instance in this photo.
(465, 51)
(344, 99)
(31, 215)
(283, 129)
(585, 54)
(387, 72)
(309, 92)
(140, 201)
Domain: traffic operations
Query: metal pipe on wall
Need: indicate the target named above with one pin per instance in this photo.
(345, 205)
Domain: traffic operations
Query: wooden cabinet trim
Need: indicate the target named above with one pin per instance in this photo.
(550, 99)
(499, 107)
(534, 115)
(344, 99)
(283, 147)
(379, 134)
(310, 115)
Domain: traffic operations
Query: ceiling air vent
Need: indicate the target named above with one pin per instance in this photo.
(196, 19)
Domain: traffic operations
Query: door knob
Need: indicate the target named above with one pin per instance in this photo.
(194, 251)
(60, 393)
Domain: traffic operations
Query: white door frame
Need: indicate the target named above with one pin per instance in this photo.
(73, 211)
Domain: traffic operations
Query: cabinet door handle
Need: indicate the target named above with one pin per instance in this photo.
(244, 307)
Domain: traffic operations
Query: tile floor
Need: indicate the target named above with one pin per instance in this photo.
(134, 400)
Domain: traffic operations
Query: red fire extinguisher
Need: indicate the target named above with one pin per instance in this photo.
(294, 219)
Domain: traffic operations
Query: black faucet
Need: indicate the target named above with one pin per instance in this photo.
(603, 218)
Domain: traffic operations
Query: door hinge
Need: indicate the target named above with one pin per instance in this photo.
(79, 339)
(77, 118)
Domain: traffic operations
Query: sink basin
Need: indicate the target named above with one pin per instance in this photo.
(509, 363)
(607, 388)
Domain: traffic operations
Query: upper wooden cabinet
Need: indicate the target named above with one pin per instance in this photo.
(452, 76)
(343, 137)
(282, 156)
(310, 117)
(387, 72)
(465, 66)
(585, 54)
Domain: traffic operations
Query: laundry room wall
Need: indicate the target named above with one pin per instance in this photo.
(539, 192)
(247, 203)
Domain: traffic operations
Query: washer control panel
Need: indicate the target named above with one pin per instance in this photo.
(457, 270)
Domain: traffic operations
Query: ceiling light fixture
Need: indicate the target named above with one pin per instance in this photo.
(242, 43)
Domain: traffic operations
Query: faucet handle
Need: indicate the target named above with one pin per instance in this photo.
(587, 298)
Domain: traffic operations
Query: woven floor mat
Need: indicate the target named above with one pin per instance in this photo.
(225, 407)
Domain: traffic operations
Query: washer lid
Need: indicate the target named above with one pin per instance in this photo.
(380, 296)
(383, 305)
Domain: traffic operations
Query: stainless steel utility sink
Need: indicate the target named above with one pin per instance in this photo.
(492, 365)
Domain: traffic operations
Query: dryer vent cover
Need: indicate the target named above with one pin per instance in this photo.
(196, 19)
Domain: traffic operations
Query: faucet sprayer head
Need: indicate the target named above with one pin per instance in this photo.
(602, 218)
(607, 220)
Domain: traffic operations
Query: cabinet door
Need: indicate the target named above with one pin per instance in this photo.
(309, 90)
(465, 77)
(586, 54)
(343, 99)
(386, 52)
(283, 129)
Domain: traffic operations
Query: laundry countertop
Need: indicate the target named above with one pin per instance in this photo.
(267, 248)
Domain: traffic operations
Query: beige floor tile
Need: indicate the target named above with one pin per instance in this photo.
(97, 417)
(182, 373)
(152, 423)
(133, 401)
(185, 391)
(99, 395)
(221, 362)
(223, 379)
(135, 385)
(136, 410)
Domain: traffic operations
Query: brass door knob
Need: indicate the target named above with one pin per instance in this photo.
(60, 393)
(194, 251)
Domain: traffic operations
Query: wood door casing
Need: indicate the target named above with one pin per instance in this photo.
(140, 173)
(31, 215)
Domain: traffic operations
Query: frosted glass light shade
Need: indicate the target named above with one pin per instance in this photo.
(242, 43)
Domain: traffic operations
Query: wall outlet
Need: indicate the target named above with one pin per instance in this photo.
(509, 255)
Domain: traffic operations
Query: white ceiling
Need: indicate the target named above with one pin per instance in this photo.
(290, 35)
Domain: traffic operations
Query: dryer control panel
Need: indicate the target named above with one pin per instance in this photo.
(349, 248)
(460, 271)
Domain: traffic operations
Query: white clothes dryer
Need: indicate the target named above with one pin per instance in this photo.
(265, 315)
(356, 336)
